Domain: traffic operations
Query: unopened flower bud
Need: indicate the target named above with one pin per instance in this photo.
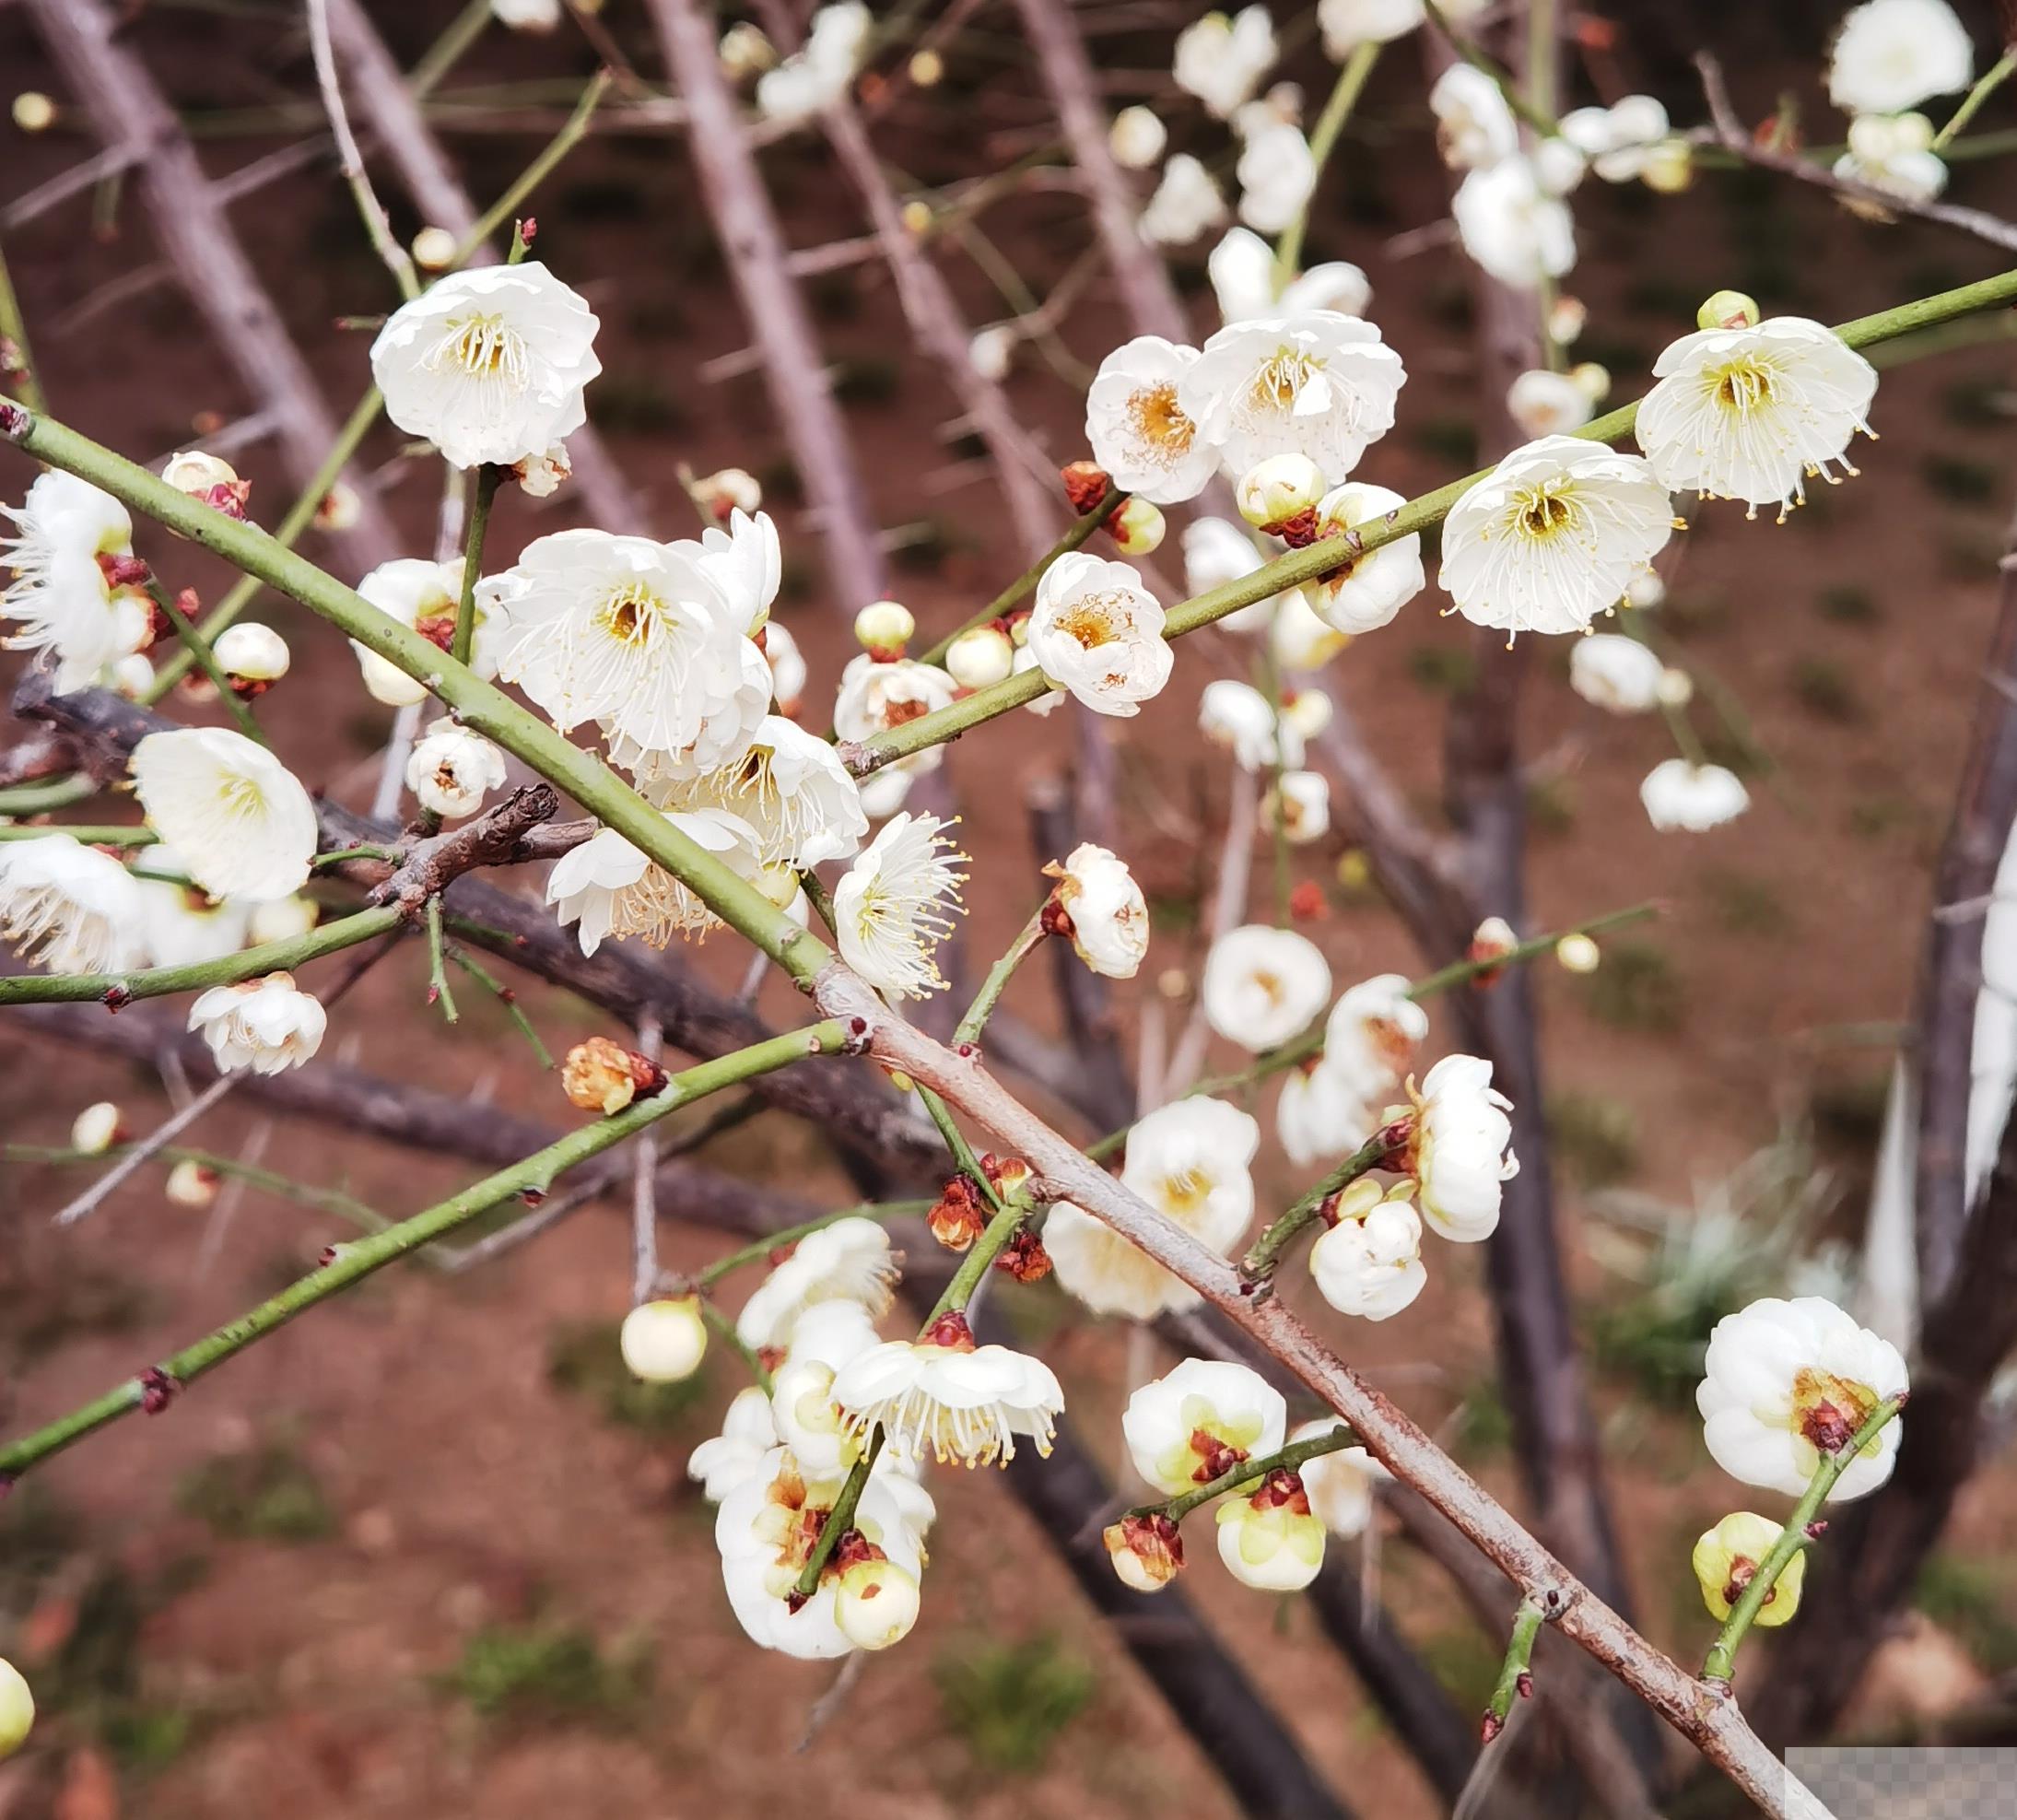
(1645, 589)
(1008, 1176)
(283, 918)
(1024, 1257)
(16, 1709)
(1086, 484)
(132, 675)
(745, 52)
(1675, 688)
(1137, 528)
(1727, 310)
(727, 490)
(1669, 167)
(96, 1129)
(1727, 1559)
(1282, 488)
(1592, 380)
(434, 249)
(957, 1216)
(1492, 939)
(252, 652)
(34, 111)
(1136, 138)
(1147, 1551)
(884, 627)
(874, 1604)
(603, 1076)
(927, 69)
(1566, 316)
(1173, 983)
(1307, 712)
(192, 1185)
(209, 478)
(982, 655)
(663, 1342)
(992, 351)
(917, 218)
(779, 883)
(1577, 954)
(340, 508)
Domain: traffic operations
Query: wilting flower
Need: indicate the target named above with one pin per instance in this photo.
(1186, 204)
(1098, 632)
(1199, 1421)
(1277, 174)
(1136, 138)
(488, 364)
(69, 906)
(1545, 404)
(1264, 985)
(1246, 285)
(848, 1261)
(1102, 911)
(1220, 60)
(1678, 794)
(965, 1402)
(1893, 55)
(1474, 127)
(451, 769)
(1460, 1148)
(1617, 140)
(239, 817)
(1364, 592)
(610, 887)
(1727, 1559)
(663, 1342)
(1615, 673)
(423, 596)
(1348, 24)
(70, 541)
(1369, 1262)
(1147, 1550)
(1317, 385)
(1341, 1484)
(1299, 805)
(790, 788)
(1749, 413)
(264, 1026)
(1271, 1540)
(1138, 431)
(1785, 1382)
(1236, 718)
(1511, 225)
(1189, 1160)
(897, 904)
(1553, 535)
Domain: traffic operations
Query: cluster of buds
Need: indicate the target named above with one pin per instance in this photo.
(603, 1076)
(1147, 1550)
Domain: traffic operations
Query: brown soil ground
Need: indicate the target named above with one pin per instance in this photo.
(392, 1566)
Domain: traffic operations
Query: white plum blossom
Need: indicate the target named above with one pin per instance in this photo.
(787, 670)
(96, 1129)
(62, 595)
(664, 1341)
(1320, 1114)
(1460, 1148)
(489, 364)
(1319, 385)
(1348, 24)
(1474, 127)
(964, 1402)
(818, 74)
(1616, 673)
(1342, 1485)
(875, 697)
(736, 1455)
(1892, 54)
(1511, 225)
(1678, 794)
(1098, 632)
(1751, 413)
(1368, 1263)
(877, 1604)
(1247, 284)
(1138, 431)
(450, 769)
(1371, 1036)
(824, 1338)
(1545, 404)
(1298, 803)
(422, 596)
(1216, 553)
(1617, 140)
(1042, 706)
(1362, 593)
(1136, 138)
(527, 15)
(1189, 1161)
(1269, 1539)
(1893, 153)
(1277, 173)
(69, 906)
(1264, 985)
(1785, 1382)
(180, 925)
(848, 1261)
(1222, 60)
(1105, 915)
(746, 564)
(1186, 202)
(1201, 1420)
(1235, 717)
(792, 788)
(608, 886)
(240, 820)
(897, 904)
(263, 1025)
(1300, 637)
(252, 652)
(1553, 536)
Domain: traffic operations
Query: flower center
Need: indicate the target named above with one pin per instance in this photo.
(1827, 1410)
(239, 797)
(1092, 620)
(1745, 386)
(1280, 377)
(1543, 512)
(630, 614)
(1159, 422)
(484, 347)
(1185, 1190)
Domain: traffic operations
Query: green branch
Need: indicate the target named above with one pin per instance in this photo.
(1289, 1459)
(345, 1207)
(1261, 1261)
(483, 493)
(1079, 533)
(1515, 1678)
(1323, 138)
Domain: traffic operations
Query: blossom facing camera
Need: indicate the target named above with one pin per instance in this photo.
(490, 364)
(963, 1402)
(1727, 1559)
(16, 1709)
(250, 652)
(1362, 592)
(1460, 1148)
(1787, 1382)
(69, 906)
(1100, 909)
(1138, 430)
(602, 1076)
(96, 1129)
(451, 769)
(240, 820)
(790, 790)
(260, 1026)
(1372, 1034)
(1616, 673)
(1199, 1421)
(895, 906)
(1264, 985)
(663, 1342)
(1892, 54)
(1147, 1551)
(1678, 794)
(1096, 631)
(875, 1603)
(1369, 1260)
(1271, 1541)
(1552, 536)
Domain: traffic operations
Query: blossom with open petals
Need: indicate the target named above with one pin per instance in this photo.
(1474, 127)
(1544, 403)
(1372, 1033)
(1248, 284)
(790, 788)
(423, 596)
(848, 1261)
(1098, 632)
(736, 1455)
(1368, 1261)
(1297, 805)
(1320, 1115)
(1222, 60)
(877, 697)
(1201, 1420)
(963, 1402)
(823, 1337)
(1619, 140)
(264, 1026)
(1216, 553)
(897, 904)
(65, 552)
(1138, 431)
(1186, 204)
(1460, 1149)
(1104, 913)
(1678, 794)
(608, 886)
(1277, 174)
(1269, 1539)
(1264, 985)
(1892, 54)
(1362, 593)
(69, 906)
(1512, 225)
(239, 818)
(1236, 718)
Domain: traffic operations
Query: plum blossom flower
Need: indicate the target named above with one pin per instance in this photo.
(1362, 593)
(489, 364)
(1892, 54)
(877, 697)
(1678, 794)
(824, 1338)
(1727, 1559)
(1511, 225)
(608, 886)
(818, 74)
(1299, 805)
(1101, 911)
(69, 542)
(1545, 404)
(422, 596)
(1474, 127)
(1299, 638)
(896, 905)
(1269, 1539)
(1614, 673)
(1264, 985)
(1320, 1114)
(1785, 1382)
(1236, 718)
(1138, 431)
(1189, 1160)
(1460, 1148)
(1216, 553)
(1246, 285)
(239, 818)
(1098, 632)
(662, 1342)
(451, 769)
(789, 787)
(1372, 1034)
(1553, 535)
(1369, 1262)
(1342, 1485)
(1220, 60)
(69, 906)
(263, 1025)
(1749, 413)
(1199, 1421)
(1893, 153)
(848, 1261)
(251, 652)
(1186, 202)
(1348, 24)
(1618, 140)
(736, 1455)
(1277, 173)
(1318, 384)
(964, 1402)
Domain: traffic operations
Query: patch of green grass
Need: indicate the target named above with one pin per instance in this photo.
(1596, 1138)
(867, 379)
(1824, 689)
(552, 1675)
(1447, 668)
(583, 1359)
(1847, 603)
(1636, 989)
(1971, 1598)
(1961, 480)
(268, 1494)
(1010, 1701)
(1450, 440)
(1745, 904)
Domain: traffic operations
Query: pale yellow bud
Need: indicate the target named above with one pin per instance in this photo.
(434, 249)
(340, 508)
(745, 52)
(1279, 489)
(779, 883)
(191, 1185)
(927, 69)
(95, 1129)
(34, 111)
(1137, 138)
(16, 1709)
(1591, 379)
(1577, 954)
(1566, 316)
(917, 218)
(1727, 310)
(1727, 1559)
(1669, 167)
(253, 651)
(1173, 982)
(875, 1603)
(195, 473)
(982, 655)
(1675, 690)
(663, 1342)
(884, 627)
(1138, 528)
